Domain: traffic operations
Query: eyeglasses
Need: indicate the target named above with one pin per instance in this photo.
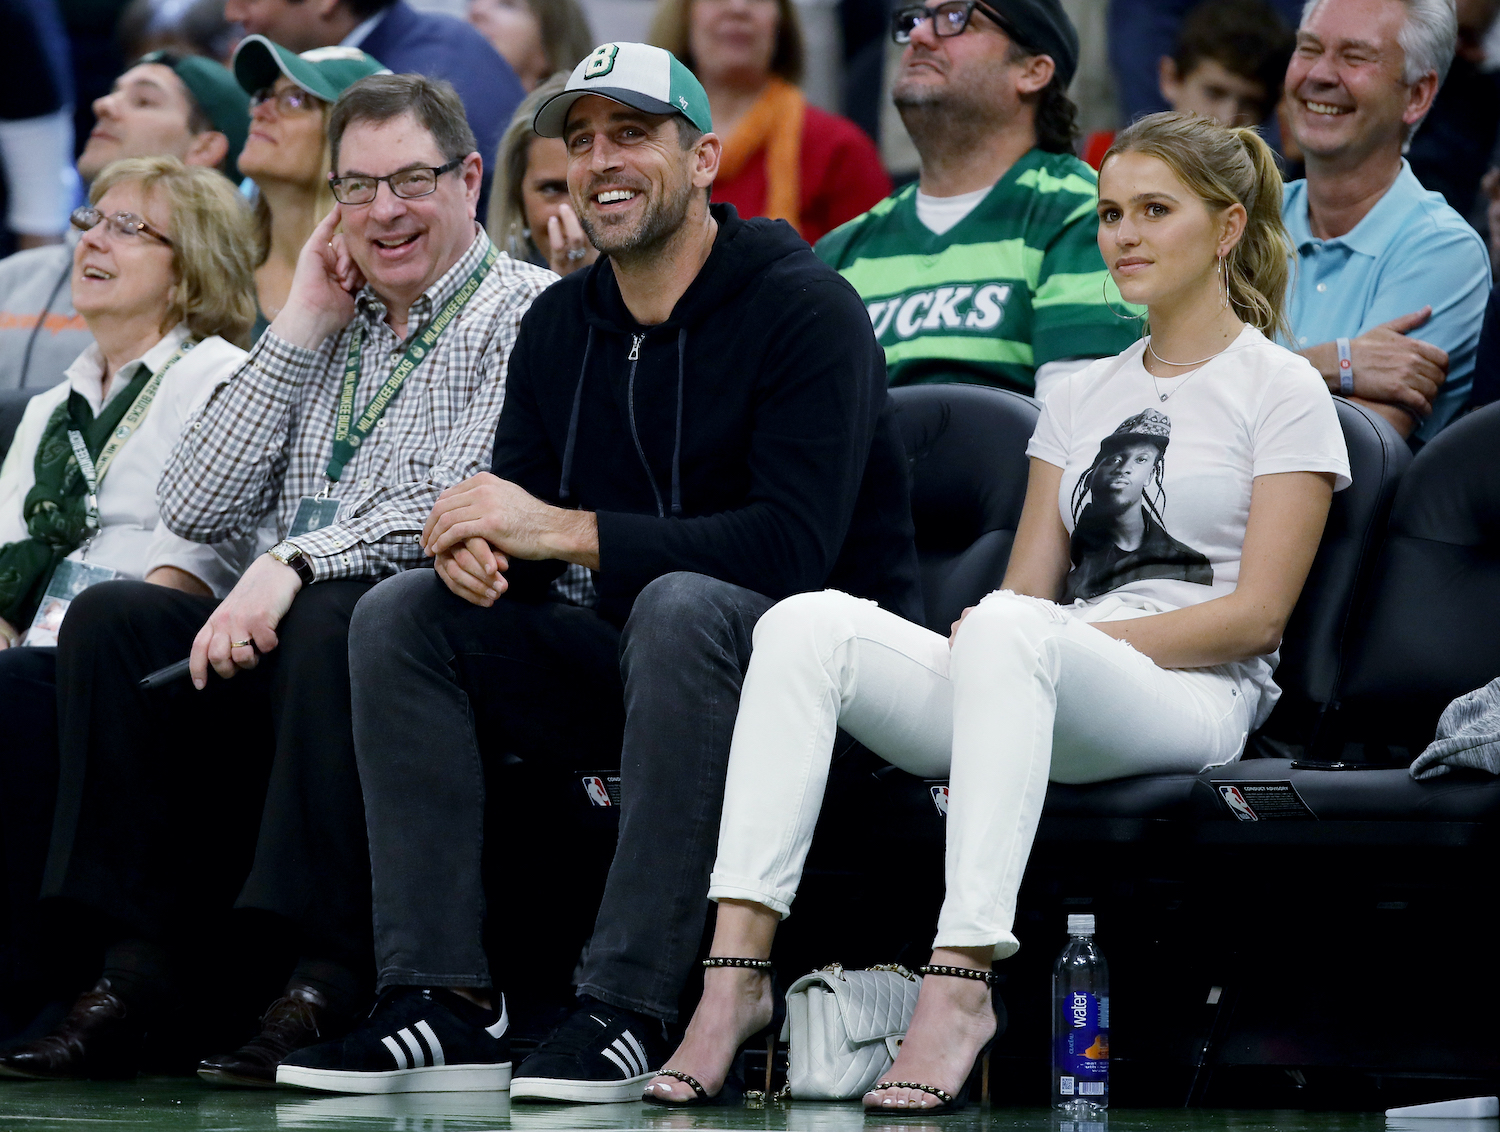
(947, 19)
(124, 224)
(405, 183)
(289, 100)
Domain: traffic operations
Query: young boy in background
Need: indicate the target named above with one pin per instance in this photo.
(1230, 58)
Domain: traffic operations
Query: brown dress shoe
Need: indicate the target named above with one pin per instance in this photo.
(294, 1021)
(98, 1038)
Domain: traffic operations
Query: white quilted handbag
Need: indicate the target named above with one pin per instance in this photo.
(843, 1029)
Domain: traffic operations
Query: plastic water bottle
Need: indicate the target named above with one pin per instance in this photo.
(1080, 1023)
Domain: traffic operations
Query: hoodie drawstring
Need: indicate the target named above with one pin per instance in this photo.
(567, 464)
(568, 449)
(677, 439)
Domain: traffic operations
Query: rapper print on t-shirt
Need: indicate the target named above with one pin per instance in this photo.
(1120, 533)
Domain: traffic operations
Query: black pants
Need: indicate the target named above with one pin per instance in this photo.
(547, 681)
(443, 691)
(170, 802)
(28, 789)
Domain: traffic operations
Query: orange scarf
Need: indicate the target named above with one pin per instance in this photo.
(773, 124)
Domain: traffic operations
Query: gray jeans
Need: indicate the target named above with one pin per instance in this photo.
(427, 667)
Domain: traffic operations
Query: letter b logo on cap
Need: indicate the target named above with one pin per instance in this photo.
(601, 62)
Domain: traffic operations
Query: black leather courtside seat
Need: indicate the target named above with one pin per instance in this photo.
(1432, 631)
(1312, 652)
(966, 445)
(1316, 646)
(1359, 805)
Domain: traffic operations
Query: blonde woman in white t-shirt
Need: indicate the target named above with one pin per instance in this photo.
(1176, 499)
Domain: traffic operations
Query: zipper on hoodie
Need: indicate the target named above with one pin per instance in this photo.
(634, 356)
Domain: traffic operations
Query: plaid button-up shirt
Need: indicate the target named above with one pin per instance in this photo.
(262, 441)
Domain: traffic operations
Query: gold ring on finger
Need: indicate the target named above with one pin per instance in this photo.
(240, 644)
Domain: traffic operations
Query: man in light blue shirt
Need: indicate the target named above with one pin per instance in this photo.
(1390, 282)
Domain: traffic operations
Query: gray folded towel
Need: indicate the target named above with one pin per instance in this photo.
(1468, 734)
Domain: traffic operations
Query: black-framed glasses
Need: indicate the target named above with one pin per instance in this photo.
(289, 100)
(405, 183)
(124, 224)
(948, 19)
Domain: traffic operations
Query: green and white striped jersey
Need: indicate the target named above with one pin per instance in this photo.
(1015, 284)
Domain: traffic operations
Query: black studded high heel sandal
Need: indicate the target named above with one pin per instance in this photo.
(950, 1102)
(732, 1092)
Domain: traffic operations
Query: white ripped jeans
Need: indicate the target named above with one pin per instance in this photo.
(1029, 691)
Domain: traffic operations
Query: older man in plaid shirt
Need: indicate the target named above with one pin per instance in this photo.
(377, 386)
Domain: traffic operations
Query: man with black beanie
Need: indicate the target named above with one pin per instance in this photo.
(985, 270)
(700, 422)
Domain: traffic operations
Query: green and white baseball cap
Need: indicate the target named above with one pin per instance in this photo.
(323, 72)
(635, 74)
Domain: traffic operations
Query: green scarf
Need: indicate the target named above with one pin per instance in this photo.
(56, 510)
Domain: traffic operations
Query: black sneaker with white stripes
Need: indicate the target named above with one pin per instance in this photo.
(600, 1055)
(414, 1041)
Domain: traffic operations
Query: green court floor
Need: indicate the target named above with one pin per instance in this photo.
(179, 1103)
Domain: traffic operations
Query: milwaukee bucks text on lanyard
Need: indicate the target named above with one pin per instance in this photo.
(349, 433)
(93, 470)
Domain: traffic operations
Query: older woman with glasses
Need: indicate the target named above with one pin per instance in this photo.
(162, 276)
(286, 153)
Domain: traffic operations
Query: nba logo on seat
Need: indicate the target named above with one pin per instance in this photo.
(1237, 804)
(593, 786)
(940, 800)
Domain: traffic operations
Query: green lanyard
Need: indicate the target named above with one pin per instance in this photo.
(348, 433)
(93, 470)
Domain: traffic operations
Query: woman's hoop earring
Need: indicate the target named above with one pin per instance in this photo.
(1223, 283)
(1104, 289)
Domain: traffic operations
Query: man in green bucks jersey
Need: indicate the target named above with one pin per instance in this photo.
(986, 269)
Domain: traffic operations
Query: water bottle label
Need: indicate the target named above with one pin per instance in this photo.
(1083, 1046)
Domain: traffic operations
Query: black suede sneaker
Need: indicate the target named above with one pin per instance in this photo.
(414, 1041)
(600, 1055)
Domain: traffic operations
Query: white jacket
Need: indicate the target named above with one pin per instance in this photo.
(132, 539)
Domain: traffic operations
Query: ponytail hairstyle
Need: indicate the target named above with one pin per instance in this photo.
(1056, 117)
(1222, 167)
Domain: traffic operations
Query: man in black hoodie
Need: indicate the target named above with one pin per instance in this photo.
(694, 428)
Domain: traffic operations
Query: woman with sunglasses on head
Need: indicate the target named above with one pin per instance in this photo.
(783, 158)
(162, 277)
(286, 152)
(1161, 663)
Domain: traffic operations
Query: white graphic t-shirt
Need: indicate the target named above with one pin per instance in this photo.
(1157, 475)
